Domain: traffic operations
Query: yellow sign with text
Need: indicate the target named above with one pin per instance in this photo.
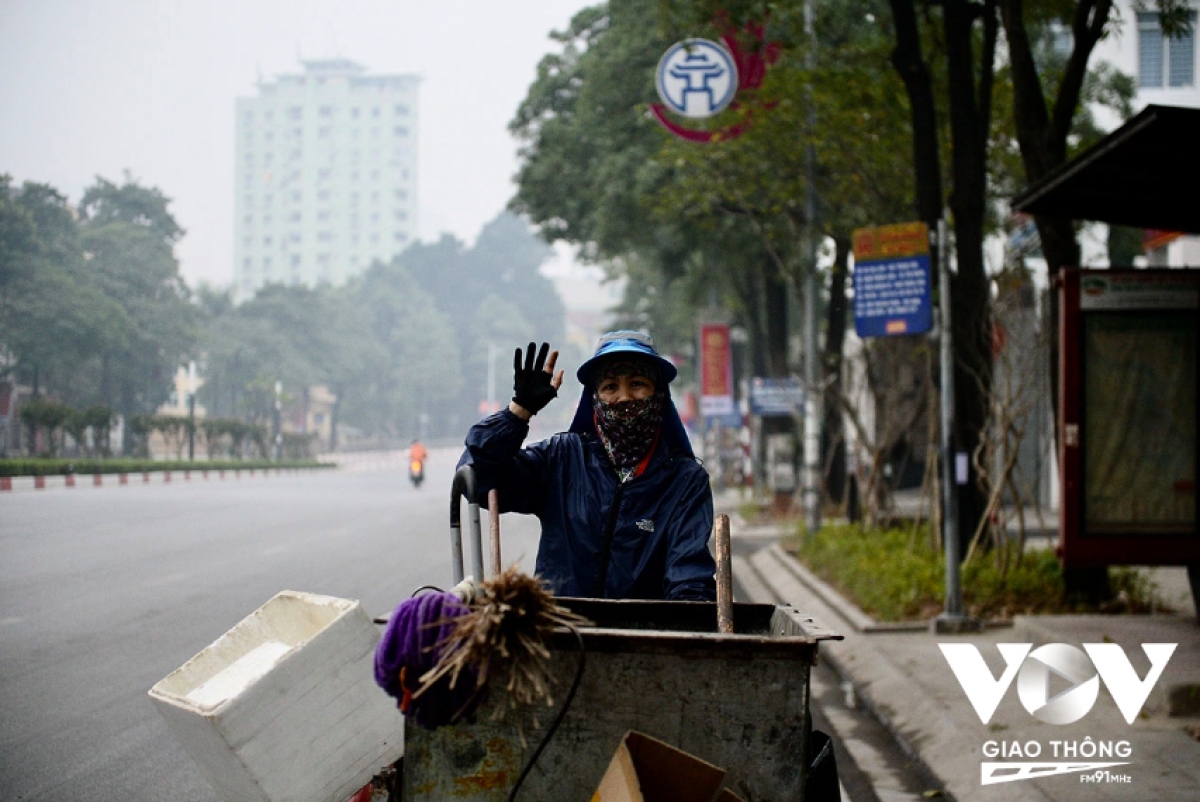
(891, 242)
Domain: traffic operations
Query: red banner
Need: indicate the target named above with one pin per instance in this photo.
(716, 370)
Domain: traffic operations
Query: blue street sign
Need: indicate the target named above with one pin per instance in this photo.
(774, 398)
(892, 296)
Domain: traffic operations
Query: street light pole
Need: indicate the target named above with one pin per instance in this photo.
(952, 619)
(278, 420)
(192, 410)
(812, 374)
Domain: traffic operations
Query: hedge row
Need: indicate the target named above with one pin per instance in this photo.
(57, 467)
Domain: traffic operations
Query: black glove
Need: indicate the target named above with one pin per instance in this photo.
(532, 388)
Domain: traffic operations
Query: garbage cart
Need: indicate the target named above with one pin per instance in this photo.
(738, 700)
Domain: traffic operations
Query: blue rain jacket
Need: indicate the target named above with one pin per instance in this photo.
(645, 539)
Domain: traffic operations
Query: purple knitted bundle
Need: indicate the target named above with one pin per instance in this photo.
(414, 641)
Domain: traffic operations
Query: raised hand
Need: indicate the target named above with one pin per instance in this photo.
(534, 382)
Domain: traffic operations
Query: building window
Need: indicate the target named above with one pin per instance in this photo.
(401, 236)
(400, 130)
(266, 240)
(401, 195)
(1164, 60)
(354, 112)
(375, 111)
(293, 113)
(248, 263)
(401, 109)
(327, 111)
(295, 260)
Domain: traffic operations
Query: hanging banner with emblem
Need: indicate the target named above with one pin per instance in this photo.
(892, 292)
(716, 370)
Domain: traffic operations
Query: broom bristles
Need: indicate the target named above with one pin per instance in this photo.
(503, 637)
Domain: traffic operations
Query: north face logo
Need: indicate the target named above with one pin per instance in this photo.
(646, 525)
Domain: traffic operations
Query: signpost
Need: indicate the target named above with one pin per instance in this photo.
(892, 296)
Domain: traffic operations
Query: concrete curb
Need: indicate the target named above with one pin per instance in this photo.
(18, 484)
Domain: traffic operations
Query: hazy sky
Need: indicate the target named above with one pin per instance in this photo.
(95, 87)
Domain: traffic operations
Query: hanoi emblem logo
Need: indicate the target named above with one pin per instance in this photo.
(697, 78)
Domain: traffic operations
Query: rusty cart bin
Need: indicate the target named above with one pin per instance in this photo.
(739, 701)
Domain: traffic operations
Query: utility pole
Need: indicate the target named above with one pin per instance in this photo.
(813, 389)
(952, 618)
(278, 420)
(192, 410)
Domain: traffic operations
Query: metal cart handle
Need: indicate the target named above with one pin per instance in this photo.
(464, 486)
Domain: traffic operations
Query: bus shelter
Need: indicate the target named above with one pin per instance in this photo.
(1129, 443)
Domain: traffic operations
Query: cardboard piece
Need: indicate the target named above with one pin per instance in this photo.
(644, 769)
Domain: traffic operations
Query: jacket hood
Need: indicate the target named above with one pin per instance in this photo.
(634, 343)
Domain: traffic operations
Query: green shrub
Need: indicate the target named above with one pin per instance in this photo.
(894, 577)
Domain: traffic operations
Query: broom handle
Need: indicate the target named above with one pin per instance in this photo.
(724, 576)
(494, 529)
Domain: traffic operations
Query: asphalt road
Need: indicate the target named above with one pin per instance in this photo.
(105, 591)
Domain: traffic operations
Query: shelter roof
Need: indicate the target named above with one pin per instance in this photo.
(1145, 174)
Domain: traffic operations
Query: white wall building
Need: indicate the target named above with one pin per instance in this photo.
(326, 175)
(1165, 71)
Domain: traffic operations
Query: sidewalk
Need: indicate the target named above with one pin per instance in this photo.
(902, 677)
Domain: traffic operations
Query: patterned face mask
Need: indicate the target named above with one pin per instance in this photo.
(628, 429)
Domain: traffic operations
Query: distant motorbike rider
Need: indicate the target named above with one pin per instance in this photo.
(416, 462)
(626, 509)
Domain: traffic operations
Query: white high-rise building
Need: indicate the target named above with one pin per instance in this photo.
(326, 175)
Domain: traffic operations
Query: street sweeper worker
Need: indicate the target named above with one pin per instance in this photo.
(625, 506)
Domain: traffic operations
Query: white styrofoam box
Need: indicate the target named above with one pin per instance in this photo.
(284, 706)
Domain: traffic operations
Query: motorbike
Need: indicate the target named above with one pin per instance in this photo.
(416, 471)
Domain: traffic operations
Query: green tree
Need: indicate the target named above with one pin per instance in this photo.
(53, 316)
(128, 235)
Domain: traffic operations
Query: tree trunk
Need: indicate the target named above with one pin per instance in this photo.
(970, 119)
(1042, 133)
(909, 62)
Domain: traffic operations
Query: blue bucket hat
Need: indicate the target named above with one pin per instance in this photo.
(631, 344)
(628, 343)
